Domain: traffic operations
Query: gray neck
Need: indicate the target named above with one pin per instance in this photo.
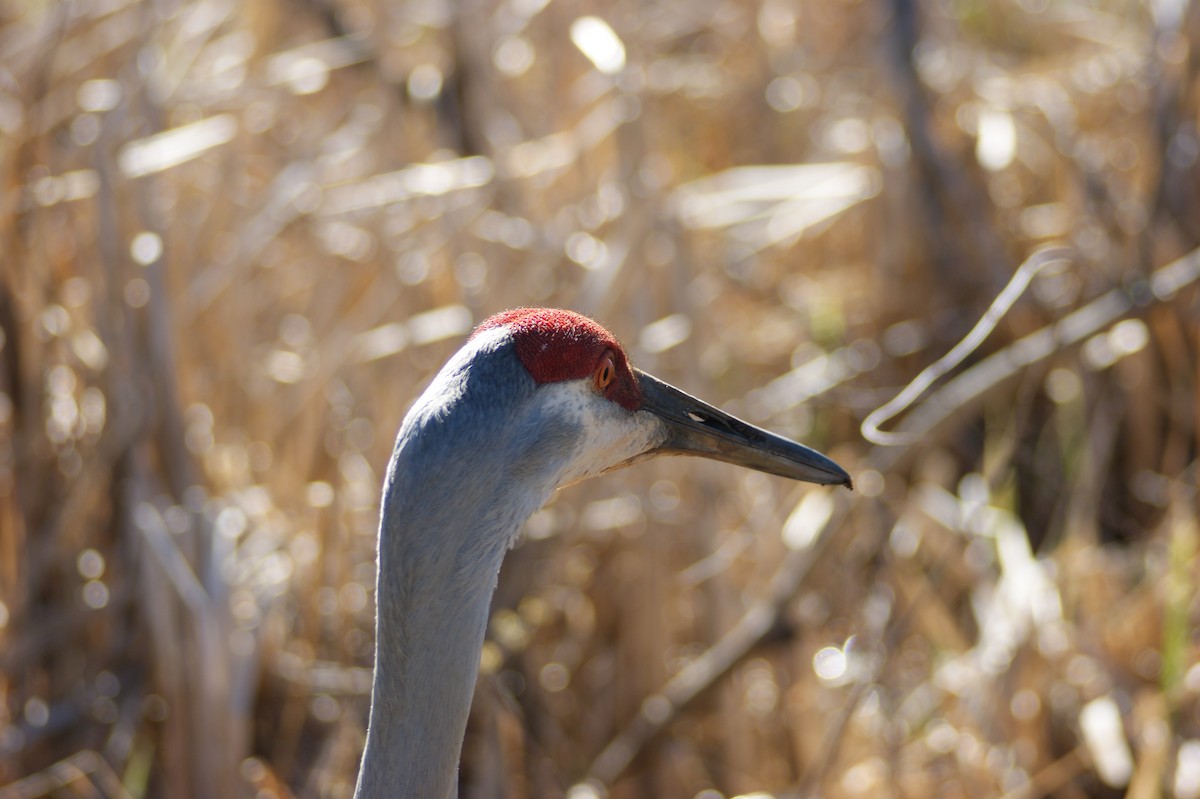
(466, 473)
(432, 613)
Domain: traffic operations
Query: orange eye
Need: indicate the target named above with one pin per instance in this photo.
(605, 372)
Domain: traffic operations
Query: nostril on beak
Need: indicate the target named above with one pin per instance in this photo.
(729, 426)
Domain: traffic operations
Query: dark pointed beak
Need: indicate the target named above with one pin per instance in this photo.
(697, 428)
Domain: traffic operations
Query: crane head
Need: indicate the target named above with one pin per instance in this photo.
(535, 400)
(618, 414)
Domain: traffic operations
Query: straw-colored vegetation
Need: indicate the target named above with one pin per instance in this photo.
(237, 239)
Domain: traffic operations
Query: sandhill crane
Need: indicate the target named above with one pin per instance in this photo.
(535, 400)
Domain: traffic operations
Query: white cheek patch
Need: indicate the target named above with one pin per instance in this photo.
(609, 434)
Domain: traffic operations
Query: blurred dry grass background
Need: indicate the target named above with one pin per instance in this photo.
(238, 238)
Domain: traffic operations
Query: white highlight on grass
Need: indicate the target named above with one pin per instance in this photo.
(666, 333)
(98, 95)
(146, 248)
(1125, 338)
(424, 328)
(586, 250)
(439, 324)
(585, 790)
(830, 664)
(808, 519)
(425, 83)
(774, 204)
(79, 184)
(95, 594)
(612, 513)
(513, 56)
(1187, 771)
(90, 564)
(417, 180)
(285, 366)
(599, 43)
(176, 146)
(305, 69)
(320, 494)
(996, 146)
(1104, 736)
